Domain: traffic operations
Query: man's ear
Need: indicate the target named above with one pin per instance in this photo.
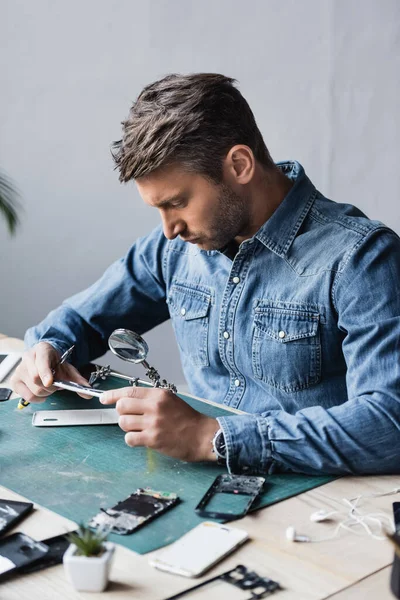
(239, 164)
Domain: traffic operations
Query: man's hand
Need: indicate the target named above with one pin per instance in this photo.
(33, 379)
(159, 419)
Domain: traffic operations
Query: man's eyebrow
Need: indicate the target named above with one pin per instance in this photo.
(169, 200)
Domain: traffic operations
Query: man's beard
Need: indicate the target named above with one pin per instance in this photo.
(229, 219)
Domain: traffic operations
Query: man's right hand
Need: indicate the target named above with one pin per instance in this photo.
(32, 380)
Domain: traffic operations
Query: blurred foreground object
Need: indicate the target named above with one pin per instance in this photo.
(9, 204)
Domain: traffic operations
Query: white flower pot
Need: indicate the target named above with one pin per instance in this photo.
(88, 574)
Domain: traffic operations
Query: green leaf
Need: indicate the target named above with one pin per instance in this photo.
(9, 204)
(88, 542)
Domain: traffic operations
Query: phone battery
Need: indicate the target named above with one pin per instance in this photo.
(133, 512)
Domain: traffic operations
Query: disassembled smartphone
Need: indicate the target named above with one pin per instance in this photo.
(242, 578)
(18, 550)
(133, 512)
(199, 549)
(230, 497)
(12, 512)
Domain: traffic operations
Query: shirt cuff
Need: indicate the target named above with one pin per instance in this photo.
(31, 340)
(248, 448)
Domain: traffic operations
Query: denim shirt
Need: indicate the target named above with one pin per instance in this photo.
(301, 331)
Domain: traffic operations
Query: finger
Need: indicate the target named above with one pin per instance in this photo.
(131, 422)
(85, 396)
(46, 356)
(131, 406)
(32, 374)
(111, 396)
(21, 380)
(24, 392)
(135, 438)
(39, 392)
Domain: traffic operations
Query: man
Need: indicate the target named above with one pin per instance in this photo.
(285, 305)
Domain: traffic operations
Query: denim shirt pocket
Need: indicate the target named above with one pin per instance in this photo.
(189, 310)
(286, 349)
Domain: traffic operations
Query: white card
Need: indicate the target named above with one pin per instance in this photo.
(58, 418)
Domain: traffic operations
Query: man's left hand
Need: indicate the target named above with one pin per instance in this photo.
(159, 419)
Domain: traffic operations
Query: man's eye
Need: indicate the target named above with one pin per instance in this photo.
(180, 203)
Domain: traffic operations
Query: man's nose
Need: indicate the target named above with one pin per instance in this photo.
(172, 227)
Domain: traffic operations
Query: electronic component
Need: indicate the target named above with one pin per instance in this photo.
(84, 416)
(242, 578)
(130, 514)
(230, 496)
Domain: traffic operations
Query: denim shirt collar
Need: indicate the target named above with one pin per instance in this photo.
(278, 233)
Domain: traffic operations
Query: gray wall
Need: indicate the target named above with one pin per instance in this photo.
(321, 76)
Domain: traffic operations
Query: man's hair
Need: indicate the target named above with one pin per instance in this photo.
(193, 120)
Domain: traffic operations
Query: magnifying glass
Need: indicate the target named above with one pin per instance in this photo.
(131, 347)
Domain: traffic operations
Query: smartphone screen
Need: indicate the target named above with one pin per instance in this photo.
(12, 512)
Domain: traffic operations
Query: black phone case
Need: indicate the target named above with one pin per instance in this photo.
(12, 512)
(18, 550)
(57, 546)
(5, 394)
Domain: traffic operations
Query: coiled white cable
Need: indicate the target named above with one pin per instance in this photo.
(354, 517)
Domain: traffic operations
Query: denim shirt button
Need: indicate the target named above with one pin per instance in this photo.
(281, 334)
(183, 312)
(237, 382)
(236, 279)
(226, 335)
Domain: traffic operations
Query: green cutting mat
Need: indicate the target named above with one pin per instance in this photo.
(75, 470)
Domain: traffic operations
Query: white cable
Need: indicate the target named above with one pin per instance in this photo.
(354, 517)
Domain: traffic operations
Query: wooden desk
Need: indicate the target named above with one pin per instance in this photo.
(347, 568)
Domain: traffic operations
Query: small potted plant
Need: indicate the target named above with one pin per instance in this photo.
(87, 560)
